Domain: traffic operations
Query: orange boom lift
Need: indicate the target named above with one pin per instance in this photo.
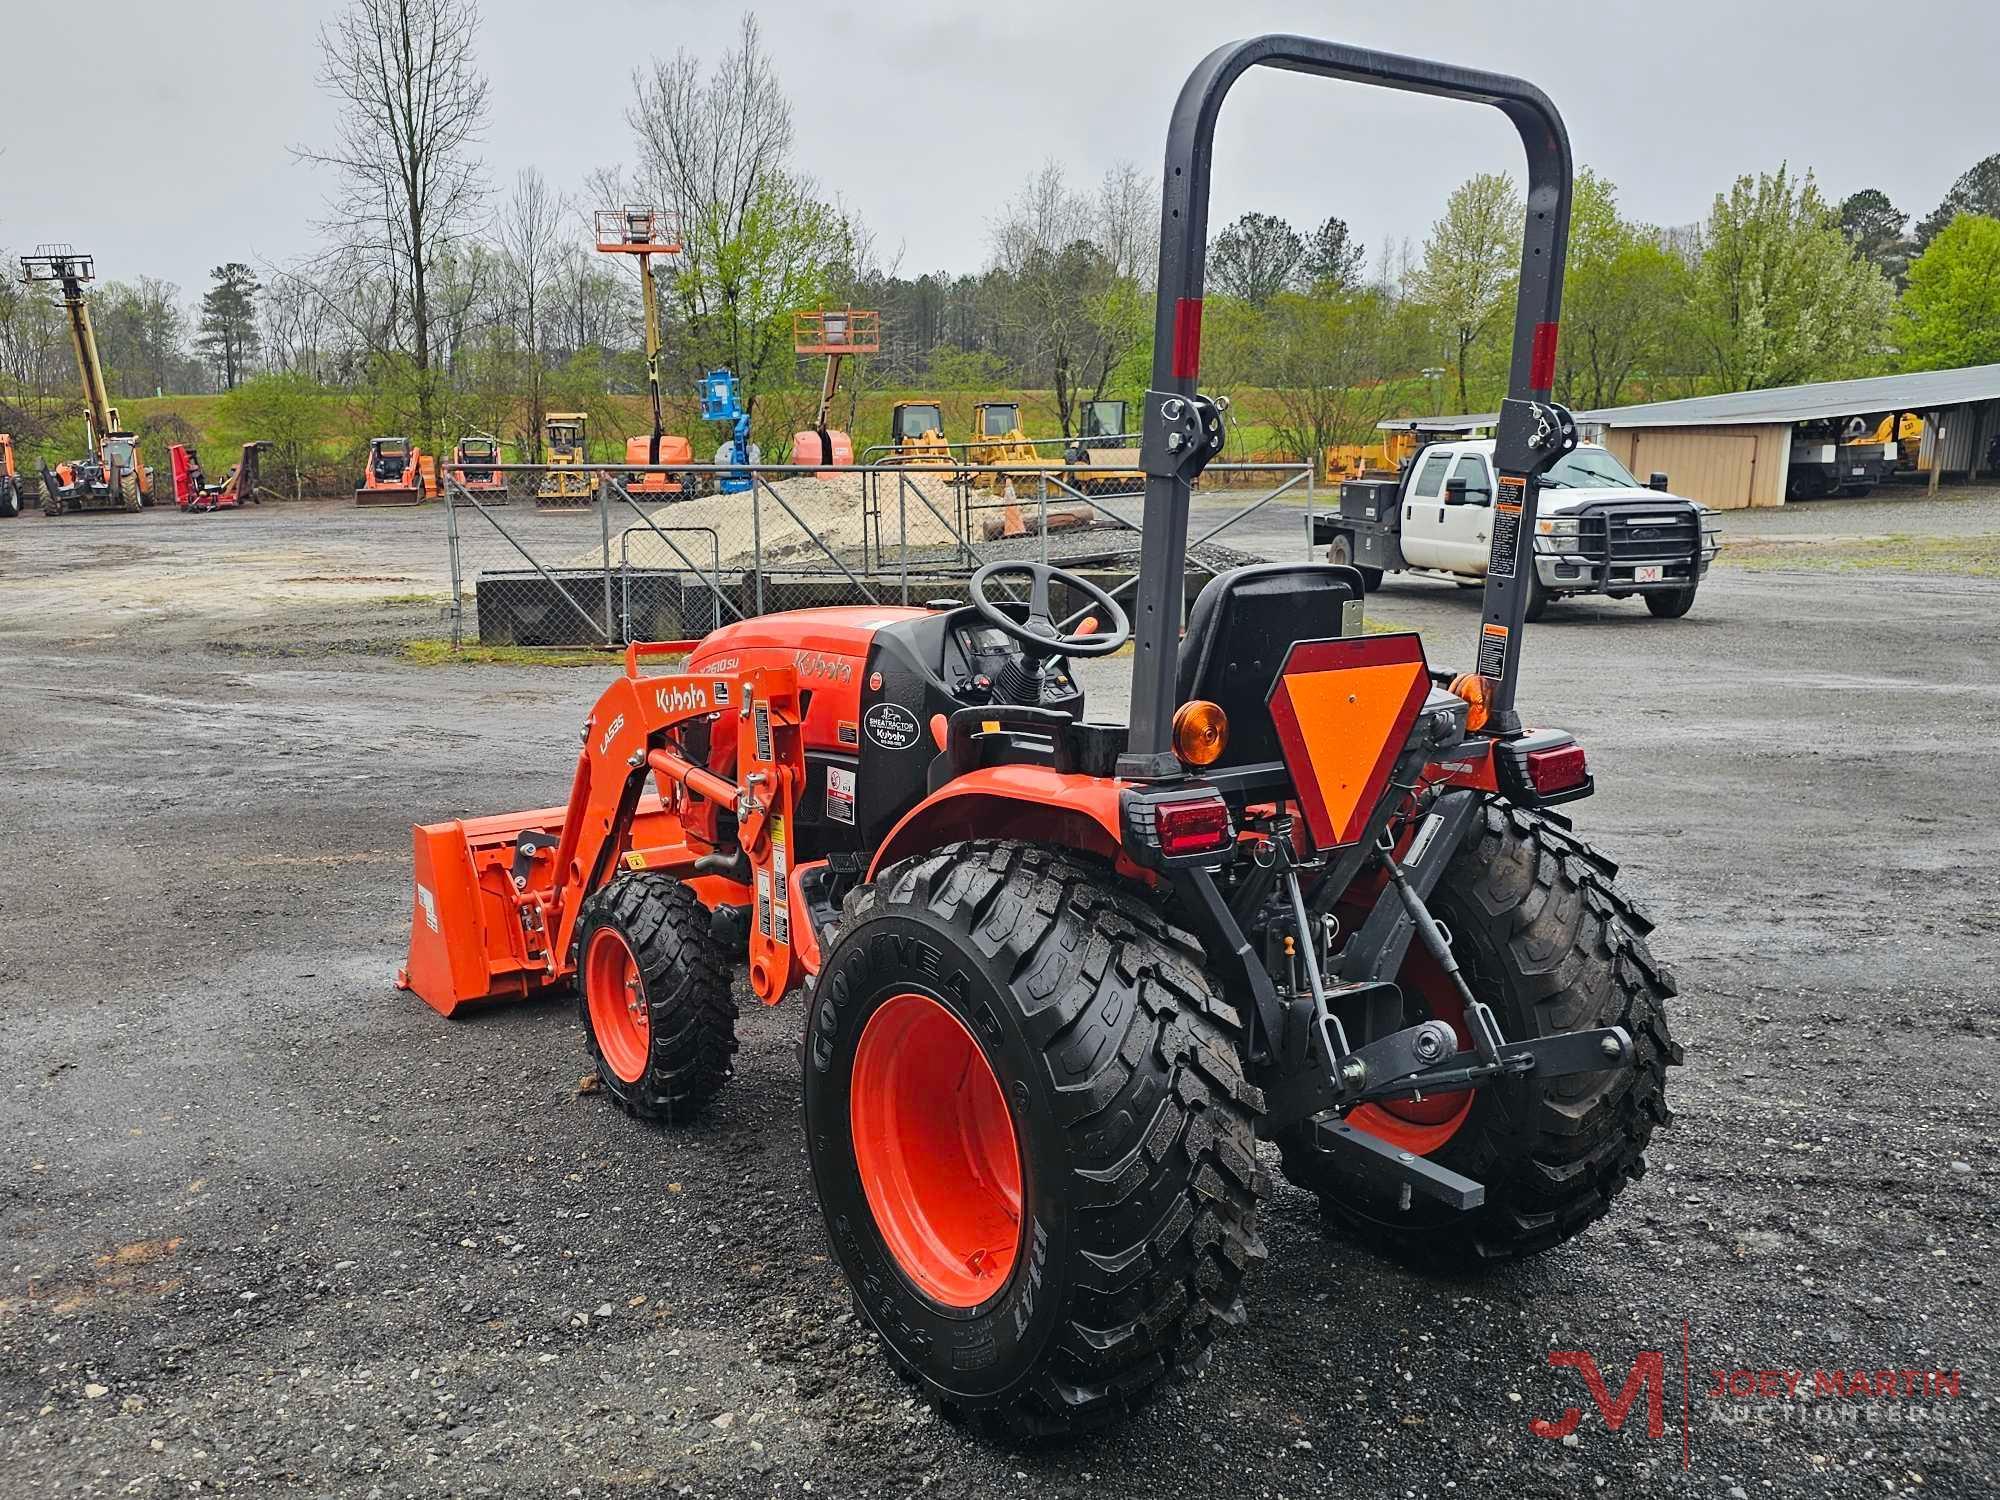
(831, 336)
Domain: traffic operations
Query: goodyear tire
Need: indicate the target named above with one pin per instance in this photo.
(1551, 945)
(1030, 1136)
(653, 986)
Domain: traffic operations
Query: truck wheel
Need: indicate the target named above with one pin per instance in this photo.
(1548, 941)
(1538, 598)
(1031, 1136)
(653, 986)
(1671, 604)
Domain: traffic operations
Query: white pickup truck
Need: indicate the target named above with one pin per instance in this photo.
(1598, 530)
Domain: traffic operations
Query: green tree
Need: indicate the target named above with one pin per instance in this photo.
(1875, 227)
(1977, 191)
(1780, 294)
(1324, 357)
(1333, 259)
(1254, 258)
(1469, 266)
(290, 412)
(1951, 311)
(1621, 298)
(229, 321)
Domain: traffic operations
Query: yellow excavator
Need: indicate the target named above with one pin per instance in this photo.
(111, 476)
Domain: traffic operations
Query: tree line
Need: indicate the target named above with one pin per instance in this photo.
(439, 302)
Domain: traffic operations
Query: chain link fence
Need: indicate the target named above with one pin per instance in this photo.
(584, 555)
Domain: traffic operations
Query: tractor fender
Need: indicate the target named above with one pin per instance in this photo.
(1036, 804)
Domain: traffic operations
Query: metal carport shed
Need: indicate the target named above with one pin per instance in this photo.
(1739, 450)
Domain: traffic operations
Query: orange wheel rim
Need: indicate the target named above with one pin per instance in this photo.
(936, 1150)
(1421, 1126)
(616, 995)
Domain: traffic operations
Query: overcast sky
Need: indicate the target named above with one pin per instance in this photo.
(923, 114)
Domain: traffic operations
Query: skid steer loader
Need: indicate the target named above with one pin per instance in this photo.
(1057, 974)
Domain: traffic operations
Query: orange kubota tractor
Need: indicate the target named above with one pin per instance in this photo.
(1057, 974)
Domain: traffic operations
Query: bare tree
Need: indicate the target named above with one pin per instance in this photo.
(531, 243)
(1067, 281)
(412, 105)
(760, 243)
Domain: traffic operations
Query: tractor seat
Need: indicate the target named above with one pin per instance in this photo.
(1241, 628)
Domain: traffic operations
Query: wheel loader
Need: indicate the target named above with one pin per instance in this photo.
(1056, 973)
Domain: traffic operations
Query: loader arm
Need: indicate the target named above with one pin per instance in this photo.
(497, 900)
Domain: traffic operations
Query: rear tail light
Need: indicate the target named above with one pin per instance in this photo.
(1557, 770)
(1196, 826)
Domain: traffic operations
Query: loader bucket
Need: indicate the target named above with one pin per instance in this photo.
(467, 942)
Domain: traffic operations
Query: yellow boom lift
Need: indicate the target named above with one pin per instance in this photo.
(646, 232)
(111, 476)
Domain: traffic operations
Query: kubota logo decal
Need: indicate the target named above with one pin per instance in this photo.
(679, 700)
(604, 745)
(429, 903)
(827, 668)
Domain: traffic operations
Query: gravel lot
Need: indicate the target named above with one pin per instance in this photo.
(269, 1226)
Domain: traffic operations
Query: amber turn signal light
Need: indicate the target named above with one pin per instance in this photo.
(1201, 732)
(1473, 689)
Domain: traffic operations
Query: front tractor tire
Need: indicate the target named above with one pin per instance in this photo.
(1551, 945)
(653, 986)
(1031, 1136)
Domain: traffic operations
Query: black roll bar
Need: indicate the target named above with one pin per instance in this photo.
(1177, 337)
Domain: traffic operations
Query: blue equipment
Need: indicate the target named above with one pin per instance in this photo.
(719, 404)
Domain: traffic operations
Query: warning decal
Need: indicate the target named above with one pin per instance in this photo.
(764, 902)
(1506, 529)
(839, 795)
(760, 718)
(1492, 651)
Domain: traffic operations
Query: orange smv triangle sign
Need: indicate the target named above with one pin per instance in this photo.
(1343, 710)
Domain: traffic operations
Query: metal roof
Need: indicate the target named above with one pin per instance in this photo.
(1438, 424)
(1925, 390)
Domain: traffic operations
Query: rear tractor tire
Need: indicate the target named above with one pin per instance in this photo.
(1551, 945)
(653, 986)
(1030, 1135)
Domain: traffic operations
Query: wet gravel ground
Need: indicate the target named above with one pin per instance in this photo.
(269, 1226)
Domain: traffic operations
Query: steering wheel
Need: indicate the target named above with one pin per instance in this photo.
(1039, 632)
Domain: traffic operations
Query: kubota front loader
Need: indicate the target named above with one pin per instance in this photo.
(1058, 973)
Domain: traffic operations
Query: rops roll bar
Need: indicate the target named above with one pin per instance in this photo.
(1182, 430)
